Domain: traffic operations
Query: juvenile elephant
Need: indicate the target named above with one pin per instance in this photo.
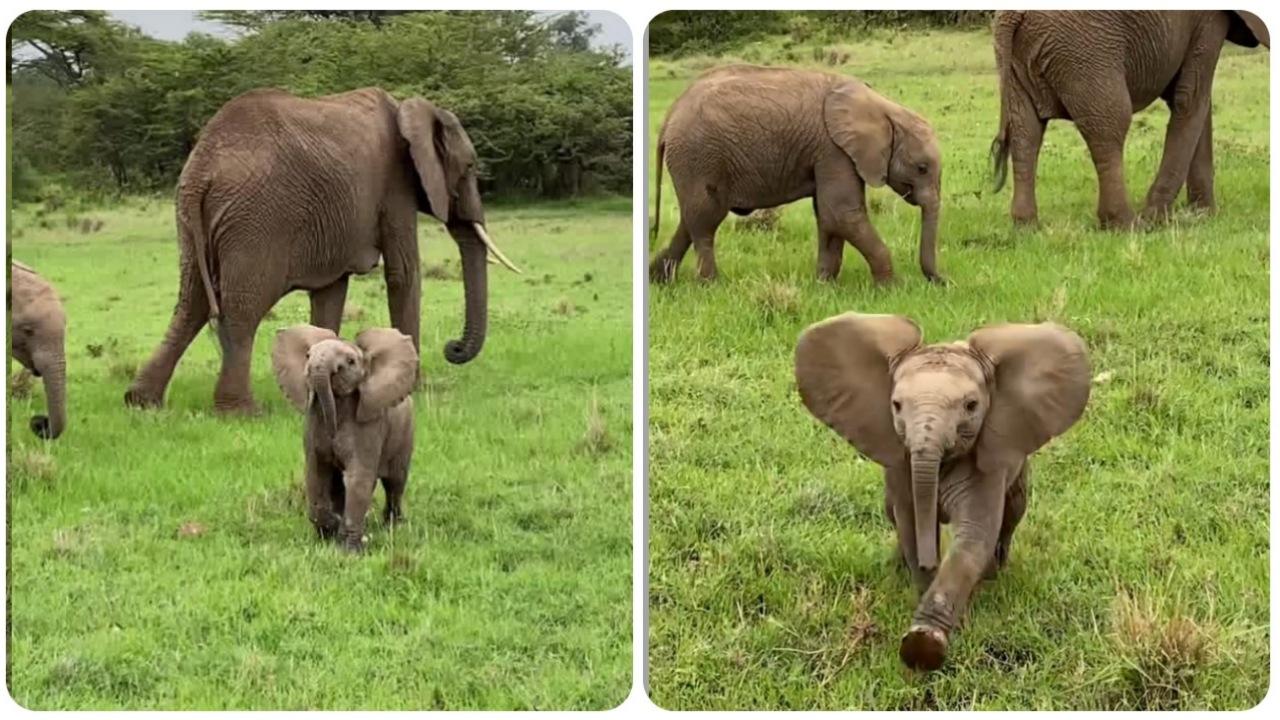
(1097, 68)
(746, 137)
(359, 421)
(283, 193)
(953, 426)
(38, 336)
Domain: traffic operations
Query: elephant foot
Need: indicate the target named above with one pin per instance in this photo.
(661, 271)
(936, 279)
(139, 398)
(1026, 222)
(1119, 221)
(42, 428)
(354, 544)
(923, 648)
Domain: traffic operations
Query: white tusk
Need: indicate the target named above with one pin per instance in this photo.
(484, 238)
(490, 260)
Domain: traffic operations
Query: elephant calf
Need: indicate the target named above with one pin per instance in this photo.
(359, 421)
(745, 137)
(38, 334)
(953, 426)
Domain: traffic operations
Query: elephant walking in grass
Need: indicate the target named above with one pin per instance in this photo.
(954, 426)
(283, 193)
(38, 337)
(745, 137)
(1097, 68)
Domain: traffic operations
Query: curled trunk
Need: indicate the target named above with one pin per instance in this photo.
(322, 386)
(475, 279)
(54, 374)
(924, 486)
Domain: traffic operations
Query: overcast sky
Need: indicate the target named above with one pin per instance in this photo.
(175, 24)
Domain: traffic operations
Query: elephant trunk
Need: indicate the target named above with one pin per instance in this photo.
(53, 370)
(322, 385)
(924, 487)
(475, 280)
(929, 212)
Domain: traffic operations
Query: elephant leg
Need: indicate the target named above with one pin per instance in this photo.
(327, 305)
(359, 494)
(337, 492)
(841, 206)
(830, 251)
(189, 315)
(394, 511)
(976, 512)
(1102, 114)
(320, 507)
(402, 273)
(1187, 118)
(702, 225)
(664, 265)
(1200, 176)
(1015, 506)
(1026, 138)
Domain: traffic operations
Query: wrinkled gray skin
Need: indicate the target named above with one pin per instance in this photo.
(953, 426)
(745, 137)
(359, 422)
(283, 193)
(1096, 68)
(38, 336)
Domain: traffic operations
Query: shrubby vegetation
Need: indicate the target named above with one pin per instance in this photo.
(98, 108)
(683, 32)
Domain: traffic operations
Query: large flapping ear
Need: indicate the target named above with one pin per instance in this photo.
(1040, 389)
(420, 126)
(289, 360)
(392, 366)
(1248, 30)
(843, 372)
(856, 121)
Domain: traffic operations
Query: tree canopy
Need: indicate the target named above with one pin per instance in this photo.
(99, 106)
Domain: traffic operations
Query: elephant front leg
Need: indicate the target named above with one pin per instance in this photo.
(321, 509)
(975, 511)
(830, 252)
(393, 513)
(404, 303)
(328, 303)
(359, 485)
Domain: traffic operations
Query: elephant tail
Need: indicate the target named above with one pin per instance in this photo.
(657, 200)
(192, 228)
(1005, 25)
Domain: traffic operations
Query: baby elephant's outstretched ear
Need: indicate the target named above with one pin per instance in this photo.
(392, 364)
(1042, 377)
(289, 360)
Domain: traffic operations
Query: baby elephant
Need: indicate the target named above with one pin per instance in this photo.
(38, 332)
(953, 426)
(356, 398)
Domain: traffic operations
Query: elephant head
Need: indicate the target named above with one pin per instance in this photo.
(312, 362)
(890, 144)
(1248, 30)
(998, 396)
(444, 161)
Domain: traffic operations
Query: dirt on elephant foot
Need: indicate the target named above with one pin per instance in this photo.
(923, 648)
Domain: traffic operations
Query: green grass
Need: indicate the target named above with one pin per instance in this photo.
(164, 560)
(1140, 576)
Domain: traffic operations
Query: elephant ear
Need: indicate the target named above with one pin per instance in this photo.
(289, 360)
(1041, 384)
(392, 365)
(1248, 30)
(420, 126)
(856, 121)
(843, 371)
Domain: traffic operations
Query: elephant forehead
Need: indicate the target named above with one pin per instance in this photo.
(330, 348)
(939, 367)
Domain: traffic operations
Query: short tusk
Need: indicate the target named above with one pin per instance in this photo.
(490, 260)
(484, 238)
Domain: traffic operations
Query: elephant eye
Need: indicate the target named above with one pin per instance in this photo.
(923, 168)
(897, 406)
(971, 406)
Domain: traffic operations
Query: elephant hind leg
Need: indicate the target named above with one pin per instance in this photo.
(1102, 115)
(701, 222)
(1200, 176)
(1015, 506)
(393, 513)
(189, 316)
(1026, 138)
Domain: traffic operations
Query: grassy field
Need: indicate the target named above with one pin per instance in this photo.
(1140, 576)
(164, 560)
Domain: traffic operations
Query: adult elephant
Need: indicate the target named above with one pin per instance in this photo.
(747, 137)
(283, 193)
(1097, 68)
